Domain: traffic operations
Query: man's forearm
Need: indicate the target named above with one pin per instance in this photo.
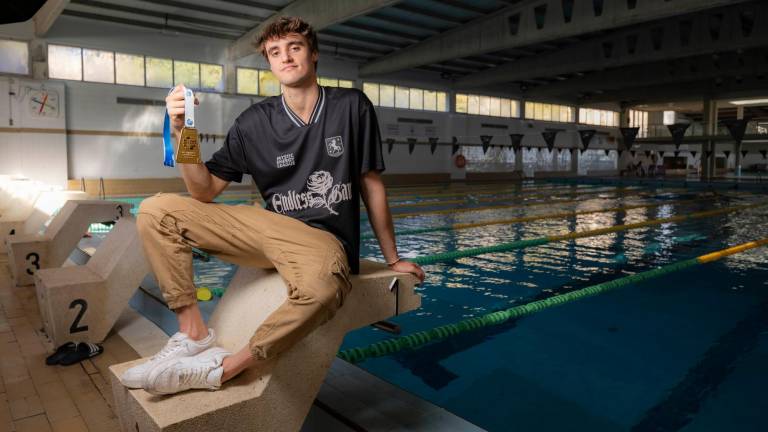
(380, 219)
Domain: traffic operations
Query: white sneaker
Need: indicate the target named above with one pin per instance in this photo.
(178, 346)
(202, 371)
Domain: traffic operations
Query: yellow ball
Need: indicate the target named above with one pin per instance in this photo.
(204, 294)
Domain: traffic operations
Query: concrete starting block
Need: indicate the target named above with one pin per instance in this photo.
(82, 303)
(279, 398)
(28, 253)
(43, 209)
(17, 200)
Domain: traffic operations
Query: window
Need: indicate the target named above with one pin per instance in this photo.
(211, 77)
(14, 57)
(487, 105)
(405, 97)
(268, 84)
(247, 81)
(549, 112)
(65, 62)
(669, 117)
(98, 66)
(92, 65)
(598, 117)
(187, 73)
(333, 82)
(159, 72)
(129, 69)
(372, 91)
(639, 119)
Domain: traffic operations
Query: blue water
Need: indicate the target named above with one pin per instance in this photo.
(686, 351)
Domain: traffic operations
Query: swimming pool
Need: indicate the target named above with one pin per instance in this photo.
(685, 351)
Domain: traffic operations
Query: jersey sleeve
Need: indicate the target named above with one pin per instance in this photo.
(228, 162)
(370, 138)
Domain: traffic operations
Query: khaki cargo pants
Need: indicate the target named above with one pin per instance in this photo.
(311, 261)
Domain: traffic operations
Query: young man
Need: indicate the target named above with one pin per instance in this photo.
(312, 152)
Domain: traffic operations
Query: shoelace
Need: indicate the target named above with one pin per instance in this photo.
(172, 346)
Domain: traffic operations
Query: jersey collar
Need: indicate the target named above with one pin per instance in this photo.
(316, 111)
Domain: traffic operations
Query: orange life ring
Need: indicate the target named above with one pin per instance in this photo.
(461, 161)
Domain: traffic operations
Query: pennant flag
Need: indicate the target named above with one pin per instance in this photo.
(571, 150)
(560, 150)
(586, 136)
(744, 153)
(661, 154)
(549, 137)
(647, 153)
(432, 144)
(528, 148)
(390, 144)
(677, 153)
(727, 153)
(629, 134)
(678, 132)
(516, 140)
(411, 145)
(454, 145)
(693, 153)
(737, 128)
(486, 139)
(607, 152)
(764, 153)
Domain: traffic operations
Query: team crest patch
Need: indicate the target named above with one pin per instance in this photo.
(334, 146)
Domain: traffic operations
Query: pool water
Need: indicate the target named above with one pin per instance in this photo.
(686, 351)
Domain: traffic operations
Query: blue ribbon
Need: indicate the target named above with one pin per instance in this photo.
(167, 143)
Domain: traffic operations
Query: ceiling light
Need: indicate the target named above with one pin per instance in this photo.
(749, 102)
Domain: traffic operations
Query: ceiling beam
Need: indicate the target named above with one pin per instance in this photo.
(47, 15)
(709, 31)
(531, 22)
(205, 9)
(157, 14)
(693, 69)
(151, 25)
(319, 14)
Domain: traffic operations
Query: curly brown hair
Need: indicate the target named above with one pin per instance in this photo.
(282, 27)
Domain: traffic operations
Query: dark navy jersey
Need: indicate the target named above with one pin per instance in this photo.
(308, 171)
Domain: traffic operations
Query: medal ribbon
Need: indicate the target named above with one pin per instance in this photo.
(189, 121)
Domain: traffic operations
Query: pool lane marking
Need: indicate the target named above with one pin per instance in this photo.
(421, 338)
(521, 244)
(468, 225)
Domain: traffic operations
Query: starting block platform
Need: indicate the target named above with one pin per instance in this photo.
(279, 397)
(29, 253)
(83, 302)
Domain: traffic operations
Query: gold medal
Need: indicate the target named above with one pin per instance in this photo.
(188, 150)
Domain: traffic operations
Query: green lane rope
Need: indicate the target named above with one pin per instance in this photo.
(418, 339)
(461, 226)
(521, 244)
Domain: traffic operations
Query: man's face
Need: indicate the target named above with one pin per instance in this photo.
(290, 59)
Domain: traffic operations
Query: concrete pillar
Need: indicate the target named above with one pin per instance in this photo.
(519, 160)
(575, 162)
(710, 127)
(737, 146)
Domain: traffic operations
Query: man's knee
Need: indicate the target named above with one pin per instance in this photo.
(330, 282)
(161, 203)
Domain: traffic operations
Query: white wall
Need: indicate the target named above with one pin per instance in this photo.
(93, 107)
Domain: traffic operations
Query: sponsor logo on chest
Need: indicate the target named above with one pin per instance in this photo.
(285, 160)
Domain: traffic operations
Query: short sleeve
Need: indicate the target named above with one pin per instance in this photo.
(228, 162)
(369, 138)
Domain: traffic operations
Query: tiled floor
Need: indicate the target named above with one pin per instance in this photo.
(38, 398)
